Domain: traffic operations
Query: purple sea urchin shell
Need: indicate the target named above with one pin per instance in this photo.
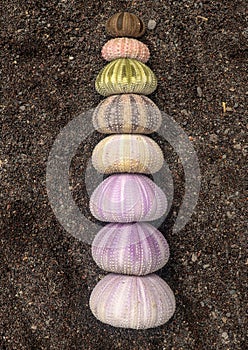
(125, 48)
(132, 302)
(127, 153)
(128, 198)
(133, 249)
(127, 113)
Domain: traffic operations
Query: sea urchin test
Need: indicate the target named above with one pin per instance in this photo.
(129, 247)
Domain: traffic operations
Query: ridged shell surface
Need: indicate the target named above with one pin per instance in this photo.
(125, 24)
(127, 153)
(125, 48)
(132, 302)
(127, 113)
(128, 198)
(125, 75)
(133, 249)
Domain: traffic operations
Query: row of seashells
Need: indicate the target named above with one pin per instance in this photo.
(128, 247)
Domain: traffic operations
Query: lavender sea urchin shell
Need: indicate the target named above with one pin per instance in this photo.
(133, 249)
(127, 113)
(132, 302)
(127, 153)
(128, 198)
(125, 48)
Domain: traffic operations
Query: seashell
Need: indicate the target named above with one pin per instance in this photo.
(133, 249)
(127, 113)
(125, 24)
(125, 75)
(138, 302)
(125, 48)
(128, 198)
(127, 153)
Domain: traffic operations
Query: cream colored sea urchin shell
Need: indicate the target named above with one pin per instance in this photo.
(127, 153)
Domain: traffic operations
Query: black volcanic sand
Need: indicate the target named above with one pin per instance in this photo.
(50, 59)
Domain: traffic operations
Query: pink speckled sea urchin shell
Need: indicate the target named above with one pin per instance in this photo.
(125, 48)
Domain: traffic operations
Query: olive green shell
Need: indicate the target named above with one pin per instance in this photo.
(125, 75)
(125, 24)
(127, 114)
(126, 153)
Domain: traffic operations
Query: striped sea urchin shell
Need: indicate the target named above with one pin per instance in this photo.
(137, 302)
(125, 75)
(127, 153)
(128, 198)
(133, 249)
(125, 24)
(125, 48)
(127, 113)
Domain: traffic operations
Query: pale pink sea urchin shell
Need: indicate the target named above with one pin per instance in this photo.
(125, 48)
(137, 302)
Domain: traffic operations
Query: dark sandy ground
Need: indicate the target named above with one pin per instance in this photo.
(50, 57)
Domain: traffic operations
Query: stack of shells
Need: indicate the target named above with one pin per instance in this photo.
(131, 296)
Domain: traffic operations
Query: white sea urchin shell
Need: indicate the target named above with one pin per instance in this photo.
(132, 302)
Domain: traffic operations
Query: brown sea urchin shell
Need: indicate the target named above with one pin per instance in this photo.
(127, 153)
(127, 114)
(125, 24)
(125, 48)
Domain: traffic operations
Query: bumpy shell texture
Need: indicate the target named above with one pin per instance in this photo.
(125, 24)
(132, 302)
(133, 249)
(127, 153)
(125, 75)
(127, 113)
(128, 198)
(125, 48)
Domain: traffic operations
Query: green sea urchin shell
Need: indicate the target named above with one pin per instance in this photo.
(125, 75)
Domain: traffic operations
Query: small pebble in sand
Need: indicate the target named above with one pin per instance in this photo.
(151, 24)
(199, 91)
(224, 335)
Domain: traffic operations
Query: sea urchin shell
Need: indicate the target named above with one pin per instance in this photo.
(125, 75)
(125, 48)
(133, 249)
(128, 198)
(132, 301)
(125, 24)
(127, 153)
(127, 113)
